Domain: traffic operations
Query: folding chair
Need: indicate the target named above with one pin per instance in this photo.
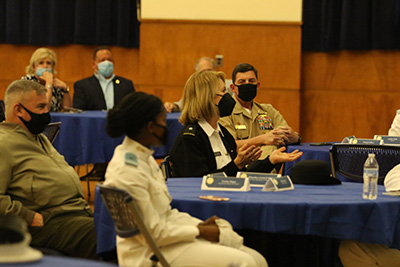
(128, 219)
(51, 130)
(348, 159)
(166, 167)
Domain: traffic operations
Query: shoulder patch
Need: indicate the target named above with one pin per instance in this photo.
(131, 159)
(190, 130)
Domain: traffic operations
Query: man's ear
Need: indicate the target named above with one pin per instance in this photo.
(17, 109)
(94, 65)
(258, 85)
(234, 88)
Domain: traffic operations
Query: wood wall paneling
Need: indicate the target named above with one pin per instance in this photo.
(348, 93)
(74, 63)
(169, 49)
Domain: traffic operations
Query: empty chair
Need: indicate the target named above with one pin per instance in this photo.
(348, 159)
(128, 219)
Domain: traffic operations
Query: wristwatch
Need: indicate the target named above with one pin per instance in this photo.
(66, 90)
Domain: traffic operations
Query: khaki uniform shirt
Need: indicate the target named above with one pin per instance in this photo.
(34, 177)
(263, 119)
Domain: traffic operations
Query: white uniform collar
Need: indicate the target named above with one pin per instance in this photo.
(208, 128)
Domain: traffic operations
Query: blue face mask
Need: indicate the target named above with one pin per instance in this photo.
(106, 68)
(39, 71)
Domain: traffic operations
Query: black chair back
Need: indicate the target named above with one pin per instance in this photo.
(166, 167)
(51, 130)
(2, 111)
(348, 159)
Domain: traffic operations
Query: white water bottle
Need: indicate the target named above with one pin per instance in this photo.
(371, 174)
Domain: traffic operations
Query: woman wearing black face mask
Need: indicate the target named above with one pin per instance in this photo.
(204, 146)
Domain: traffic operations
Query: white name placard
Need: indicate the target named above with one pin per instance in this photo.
(388, 140)
(282, 183)
(367, 141)
(257, 179)
(225, 183)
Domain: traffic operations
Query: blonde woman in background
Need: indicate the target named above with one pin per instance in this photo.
(41, 69)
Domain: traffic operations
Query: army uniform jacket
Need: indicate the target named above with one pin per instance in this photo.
(192, 154)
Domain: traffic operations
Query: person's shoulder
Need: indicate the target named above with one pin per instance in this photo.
(85, 80)
(192, 129)
(122, 79)
(265, 106)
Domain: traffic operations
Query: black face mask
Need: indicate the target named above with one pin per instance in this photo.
(247, 91)
(163, 139)
(226, 105)
(38, 121)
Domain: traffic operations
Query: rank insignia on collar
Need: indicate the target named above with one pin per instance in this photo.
(131, 159)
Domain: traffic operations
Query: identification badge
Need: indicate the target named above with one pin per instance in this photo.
(282, 183)
(217, 154)
(264, 122)
(240, 127)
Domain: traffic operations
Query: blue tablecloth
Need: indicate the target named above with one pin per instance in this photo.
(82, 138)
(52, 261)
(335, 211)
(309, 152)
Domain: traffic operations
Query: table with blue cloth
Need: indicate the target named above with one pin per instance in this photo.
(83, 139)
(332, 212)
(51, 261)
(309, 152)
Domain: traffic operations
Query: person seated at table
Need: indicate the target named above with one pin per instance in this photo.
(36, 183)
(41, 69)
(204, 146)
(183, 239)
(359, 254)
(204, 63)
(395, 127)
(103, 89)
(254, 123)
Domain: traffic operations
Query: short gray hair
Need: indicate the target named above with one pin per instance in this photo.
(19, 88)
(196, 65)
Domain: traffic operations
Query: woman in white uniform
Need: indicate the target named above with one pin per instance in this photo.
(183, 239)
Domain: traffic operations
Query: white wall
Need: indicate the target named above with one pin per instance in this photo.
(231, 10)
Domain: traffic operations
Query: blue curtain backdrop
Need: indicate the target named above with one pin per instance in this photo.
(350, 24)
(58, 22)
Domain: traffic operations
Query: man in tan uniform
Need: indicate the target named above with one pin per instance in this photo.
(36, 183)
(254, 123)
